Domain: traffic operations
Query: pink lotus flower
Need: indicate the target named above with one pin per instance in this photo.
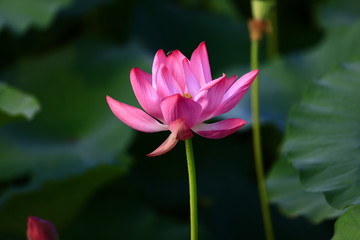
(179, 96)
(38, 229)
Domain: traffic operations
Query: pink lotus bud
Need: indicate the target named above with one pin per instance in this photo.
(38, 229)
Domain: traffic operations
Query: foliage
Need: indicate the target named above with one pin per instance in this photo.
(347, 226)
(286, 190)
(15, 103)
(316, 100)
(20, 15)
(322, 136)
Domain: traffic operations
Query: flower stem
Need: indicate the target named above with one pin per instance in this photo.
(192, 189)
(257, 144)
(272, 41)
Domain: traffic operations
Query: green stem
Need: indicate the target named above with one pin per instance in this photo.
(192, 189)
(272, 36)
(257, 144)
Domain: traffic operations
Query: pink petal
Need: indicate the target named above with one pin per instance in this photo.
(174, 64)
(134, 117)
(230, 81)
(242, 84)
(210, 96)
(192, 84)
(165, 82)
(159, 59)
(178, 107)
(39, 229)
(145, 93)
(177, 55)
(180, 128)
(219, 129)
(212, 83)
(166, 146)
(199, 63)
(234, 94)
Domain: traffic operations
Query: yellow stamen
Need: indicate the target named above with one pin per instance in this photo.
(187, 95)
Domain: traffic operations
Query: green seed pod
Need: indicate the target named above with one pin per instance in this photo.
(261, 8)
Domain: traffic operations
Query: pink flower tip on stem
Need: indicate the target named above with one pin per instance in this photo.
(39, 229)
(179, 96)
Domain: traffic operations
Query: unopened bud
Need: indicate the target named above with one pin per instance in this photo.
(38, 229)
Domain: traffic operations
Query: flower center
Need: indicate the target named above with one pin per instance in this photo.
(187, 95)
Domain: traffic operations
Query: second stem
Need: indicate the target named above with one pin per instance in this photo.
(264, 201)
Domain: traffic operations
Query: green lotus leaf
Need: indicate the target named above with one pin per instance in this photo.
(15, 103)
(322, 139)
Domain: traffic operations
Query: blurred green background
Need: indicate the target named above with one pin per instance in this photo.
(64, 157)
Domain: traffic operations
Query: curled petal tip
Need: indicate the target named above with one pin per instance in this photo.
(165, 147)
